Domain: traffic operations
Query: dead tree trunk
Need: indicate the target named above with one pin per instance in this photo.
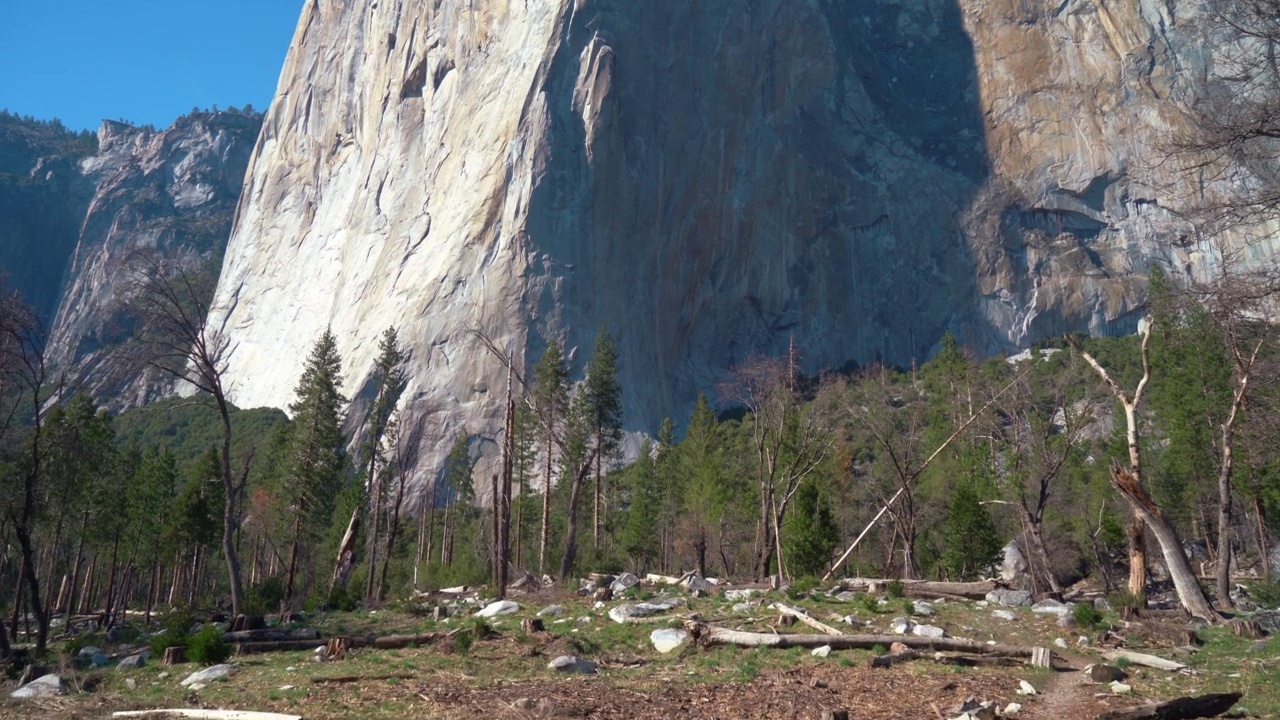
(1190, 594)
(1137, 528)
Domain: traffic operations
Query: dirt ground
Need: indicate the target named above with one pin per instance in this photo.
(505, 674)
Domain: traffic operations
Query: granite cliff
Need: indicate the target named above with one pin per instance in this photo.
(76, 207)
(707, 180)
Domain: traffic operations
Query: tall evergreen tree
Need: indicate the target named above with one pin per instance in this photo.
(551, 401)
(603, 397)
(640, 538)
(811, 533)
(390, 379)
(316, 456)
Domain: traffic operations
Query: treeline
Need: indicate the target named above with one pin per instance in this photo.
(953, 459)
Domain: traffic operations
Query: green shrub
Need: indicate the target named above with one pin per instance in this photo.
(1123, 600)
(869, 602)
(177, 630)
(1265, 592)
(802, 586)
(207, 646)
(265, 597)
(342, 598)
(1087, 616)
(896, 589)
(476, 628)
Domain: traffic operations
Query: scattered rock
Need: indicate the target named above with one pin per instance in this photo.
(623, 613)
(1013, 565)
(1026, 688)
(739, 595)
(1102, 673)
(1066, 621)
(744, 608)
(501, 607)
(624, 582)
(89, 651)
(1004, 615)
(668, 639)
(571, 664)
(1009, 598)
(43, 686)
(901, 626)
(1120, 688)
(818, 683)
(923, 609)
(697, 584)
(1051, 607)
(1059, 642)
(551, 611)
(1082, 641)
(163, 675)
(131, 684)
(928, 631)
(132, 662)
(209, 674)
(897, 648)
(1011, 709)
(1100, 603)
(847, 596)
(821, 651)
(121, 634)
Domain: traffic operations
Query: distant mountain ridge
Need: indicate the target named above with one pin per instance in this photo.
(74, 206)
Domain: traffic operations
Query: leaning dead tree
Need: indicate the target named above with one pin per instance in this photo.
(909, 475)
(1128, 482)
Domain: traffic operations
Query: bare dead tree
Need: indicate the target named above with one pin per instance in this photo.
(175, 339)
(24, 378)
(1231, 144)
(790, 442)
(1128, 482)
(1042, 437)
(1237, 300)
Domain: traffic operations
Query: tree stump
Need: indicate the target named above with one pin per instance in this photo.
(1041, 657)
(336, 648)
(840, 714)
(175, 655)
(603, 594)
(1248, 629)
(532, 625)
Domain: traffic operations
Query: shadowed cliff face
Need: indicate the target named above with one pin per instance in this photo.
(707, 180)
(724, 177)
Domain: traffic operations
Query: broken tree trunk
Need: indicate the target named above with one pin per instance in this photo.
(1183, 708)
(804, 618)
(929, 588)
(1143, 659)
(1190, 594)
(712, 635)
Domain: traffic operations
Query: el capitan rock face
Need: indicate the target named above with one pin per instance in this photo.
(707, 180)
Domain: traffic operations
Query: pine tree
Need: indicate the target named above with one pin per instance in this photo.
(550, 400)
(316, 457)
(603, 398)
(811, 533)
(700, 466)
(640, 537)
(390, 380)
(970, 536)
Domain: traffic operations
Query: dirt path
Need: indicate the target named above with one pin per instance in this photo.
(1068, 695)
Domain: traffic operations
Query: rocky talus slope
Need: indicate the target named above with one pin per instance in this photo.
(707, 180)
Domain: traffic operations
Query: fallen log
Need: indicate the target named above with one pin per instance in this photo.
(713, 635)
(804, 617)
(1183, 708)
(891, 659)
(386, 642)
(976, 590)
(394, 642)
(202, 714)
(265, 646)
(1143, 659)
(270, 634)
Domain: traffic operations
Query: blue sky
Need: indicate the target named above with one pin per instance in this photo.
(147, 61)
